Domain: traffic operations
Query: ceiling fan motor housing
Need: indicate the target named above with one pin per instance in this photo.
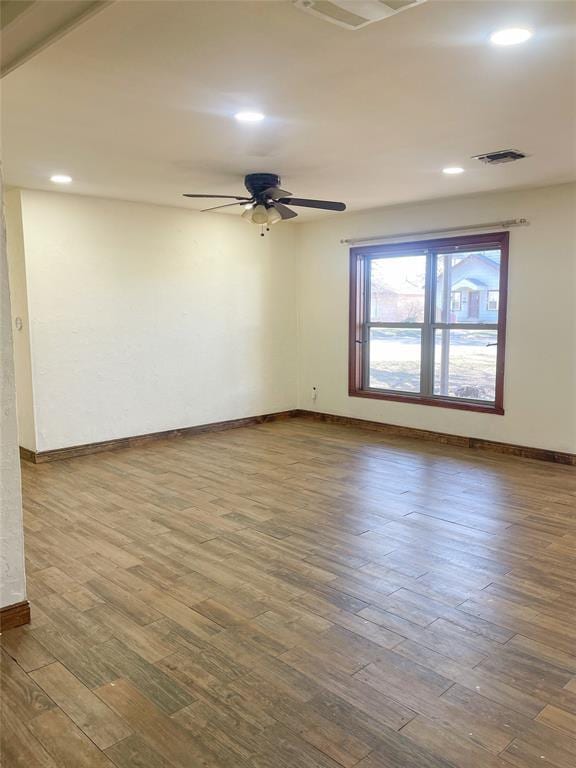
(257, 183)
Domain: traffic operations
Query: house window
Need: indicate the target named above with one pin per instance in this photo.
(493, 301)
(418, 330)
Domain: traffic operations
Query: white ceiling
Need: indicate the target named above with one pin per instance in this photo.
(137, 103)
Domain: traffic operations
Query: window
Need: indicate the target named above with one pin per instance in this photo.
(493, 301)
(419, 330)
(456, 301)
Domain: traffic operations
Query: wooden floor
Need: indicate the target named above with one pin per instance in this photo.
(292, 595)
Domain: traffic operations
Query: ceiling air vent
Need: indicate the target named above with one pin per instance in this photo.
(502, 156)
(354, 14)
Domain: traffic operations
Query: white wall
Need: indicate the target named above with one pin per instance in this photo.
(19, 301)
(540, 376)
(146, 318)
(12, 579)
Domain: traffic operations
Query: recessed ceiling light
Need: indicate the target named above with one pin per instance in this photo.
(61, 178)
(249, 117)
(452, 170)
(513, 36)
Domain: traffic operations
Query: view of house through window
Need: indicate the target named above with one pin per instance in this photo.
(429, 321)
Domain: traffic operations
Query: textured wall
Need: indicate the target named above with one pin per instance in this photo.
(21, 335)
(145, 318)
(12, 579)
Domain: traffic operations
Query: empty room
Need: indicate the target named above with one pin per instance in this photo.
(288, 384)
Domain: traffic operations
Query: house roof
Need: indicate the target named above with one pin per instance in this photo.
(471, 283)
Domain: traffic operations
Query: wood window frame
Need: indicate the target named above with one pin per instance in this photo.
(359, 258)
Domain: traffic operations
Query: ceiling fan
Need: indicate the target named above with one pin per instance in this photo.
(267, 203)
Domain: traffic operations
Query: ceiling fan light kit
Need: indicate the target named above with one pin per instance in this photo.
(268, 203)
(274, 215)
(260, 215)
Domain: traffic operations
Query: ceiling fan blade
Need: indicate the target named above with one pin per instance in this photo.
(230, 197)
(275, 193)
(227, 205)
(327, 205)
(284, 211)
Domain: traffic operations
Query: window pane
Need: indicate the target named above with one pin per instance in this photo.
(397, 289)
(394, 359)
(493, 300)
(465, 364)
(467, 287)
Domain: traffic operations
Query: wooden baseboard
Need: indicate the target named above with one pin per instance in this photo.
(13, 616)
(27, 454)
(541, 454)
(394, 430)
(131, 442)
(524, 451)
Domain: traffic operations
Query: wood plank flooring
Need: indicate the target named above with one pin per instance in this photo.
(295, 595)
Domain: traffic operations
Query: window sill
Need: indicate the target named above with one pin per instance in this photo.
(437, 402)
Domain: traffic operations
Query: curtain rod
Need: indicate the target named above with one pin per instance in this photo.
(489, 225)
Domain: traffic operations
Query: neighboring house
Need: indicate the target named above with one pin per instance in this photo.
(474, 289)
(474, 297)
